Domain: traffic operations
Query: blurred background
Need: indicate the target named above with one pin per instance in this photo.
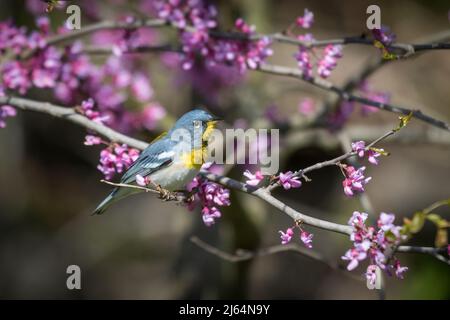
(141, 248)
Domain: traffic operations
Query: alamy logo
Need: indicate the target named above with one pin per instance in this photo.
(374, 20)
(73, 22)
(74, 280)
(234, 146)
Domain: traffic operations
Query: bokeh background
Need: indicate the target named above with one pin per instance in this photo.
(140, 249)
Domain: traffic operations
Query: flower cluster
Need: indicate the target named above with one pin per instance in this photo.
(87, 109)
(329, 60)
(73, 77)
(360, 148)
(288, 180)
(305, 236)
(339, 117)
(330, 54)
(5, 112)
(306, 20)
(253, 179)
(377, 244)
(116, 159)
(304, 61)
(355, 180)
(384, 35)
(210, 195)
(194, 19)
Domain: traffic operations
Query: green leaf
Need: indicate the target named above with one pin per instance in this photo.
(441, 238)
(386, 54)
(438, 221)
(417, 222)
(380, 151)
(404, 121)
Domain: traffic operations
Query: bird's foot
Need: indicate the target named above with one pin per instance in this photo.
(164, 194)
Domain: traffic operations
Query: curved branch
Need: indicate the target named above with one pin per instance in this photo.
(71, 115)
(323, 84)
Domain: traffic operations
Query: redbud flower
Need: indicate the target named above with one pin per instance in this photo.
(87, 108)
(288, 180)
(286, 237)
(116, 159)
(355, 180)
(371, 274)
(359, 147)
(304, 62)
(306, 20)
(253, 179)
(399, 270)
(151, 115)
(375, 244)
(354, 256)
(384, 35)
(306, 106)
(306, 239)
(91, 140)
(209, 215)
(372, 156)
(5, 112)
(142, 181)
(141, 87)
(209, 195)
(329, 60)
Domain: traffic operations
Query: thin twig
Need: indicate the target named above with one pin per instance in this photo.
(245, 255)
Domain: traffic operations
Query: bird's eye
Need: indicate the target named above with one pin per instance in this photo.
(197, 124)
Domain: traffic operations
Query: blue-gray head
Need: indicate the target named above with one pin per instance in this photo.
(195, 119)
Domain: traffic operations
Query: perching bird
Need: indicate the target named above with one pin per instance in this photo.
(172, 160)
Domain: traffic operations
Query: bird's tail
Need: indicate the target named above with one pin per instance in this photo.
(109, 200)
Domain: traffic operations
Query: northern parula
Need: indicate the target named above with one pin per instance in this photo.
(170, 161)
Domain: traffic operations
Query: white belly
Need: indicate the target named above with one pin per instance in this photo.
(174, 177)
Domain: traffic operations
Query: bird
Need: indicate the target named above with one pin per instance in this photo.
(171, 160)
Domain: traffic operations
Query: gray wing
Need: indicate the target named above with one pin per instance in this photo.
(154, 157)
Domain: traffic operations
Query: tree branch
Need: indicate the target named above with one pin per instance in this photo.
(71, 115)
(323, 84)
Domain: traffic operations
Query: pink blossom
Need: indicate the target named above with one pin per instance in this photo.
(5, 112)
(374, 244)
(373, 155)
(359, 147)
(371, 274)
(288, 180)
(116, 159)
(91, 140)
(209, 214)
(306, 20)
(141, 88)
(43, 23)
(358, 219)
(369, 93)
(151, 115)
(355, 180)
(306, 239)
(142, 181)
(87, 108)
(304, 62)
(286, 237)
(209, 195)
(384, 35)
(329, 60)
(385, 221)
(253, 179)
(354, 256)
(306, 106)
(399, 270)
